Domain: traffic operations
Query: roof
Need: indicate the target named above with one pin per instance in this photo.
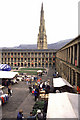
(7, 74)
(28, 50)
(77, 38)
(62, 105)
(59, 82)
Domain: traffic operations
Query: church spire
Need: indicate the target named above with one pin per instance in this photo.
(42, 38)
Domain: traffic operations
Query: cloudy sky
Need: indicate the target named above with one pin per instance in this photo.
(20, 20)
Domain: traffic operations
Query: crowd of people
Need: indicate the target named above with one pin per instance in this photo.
(35, 85)
(38, 86)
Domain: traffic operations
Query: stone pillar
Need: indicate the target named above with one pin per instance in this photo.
(73, 54)
(69, 75)
(72, 77)
(76, 77)
(78, 54)
(70, 54)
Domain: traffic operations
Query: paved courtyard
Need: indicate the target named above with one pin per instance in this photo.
(21, 99)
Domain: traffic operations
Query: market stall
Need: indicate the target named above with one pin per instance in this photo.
(5, 67)
(62, 85)
(62, 105)
(7, 76)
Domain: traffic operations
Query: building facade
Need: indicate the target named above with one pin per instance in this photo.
(28, 57)
(68, 62)
(42, 38)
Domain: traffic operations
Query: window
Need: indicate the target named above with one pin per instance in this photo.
(15, 59)
(42, 64)
(40, 58)
(35, 64)
(28, 59)
(28, 64)
(49, 59)
(46, 64)
(35, 59)
(21, 59)
(14, 53)
(49, 64)
(25, 53)
(21, 64)
(35, 53)
(11, 64)
(31, 53)
(39, 65)
(21, 53)
(11, 53)
(53, 58)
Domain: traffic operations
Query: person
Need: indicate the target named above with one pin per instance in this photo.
(31, 117)
(36, 94)
(9, 90)
(43, 86)
(47, 90)
(30, 88)
(57, 91)
(39, 115)
(20, 115)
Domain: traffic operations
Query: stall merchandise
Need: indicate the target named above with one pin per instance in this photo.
(4, 98)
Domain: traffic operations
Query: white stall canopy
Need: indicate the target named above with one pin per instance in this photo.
(59, 82)
(62, 105)
(39, 71)
(7, 74)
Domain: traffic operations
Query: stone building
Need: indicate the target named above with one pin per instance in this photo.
(41, 57)
(42, 38)
(28, 57)
(68, 62)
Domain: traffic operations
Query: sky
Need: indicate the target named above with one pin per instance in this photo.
(20, 20)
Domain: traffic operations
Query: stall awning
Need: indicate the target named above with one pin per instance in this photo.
(62, 105)
(59, 82)
(7, 74)
(5, 67)
(39, 71)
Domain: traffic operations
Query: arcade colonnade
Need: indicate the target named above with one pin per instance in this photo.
(68, 62)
